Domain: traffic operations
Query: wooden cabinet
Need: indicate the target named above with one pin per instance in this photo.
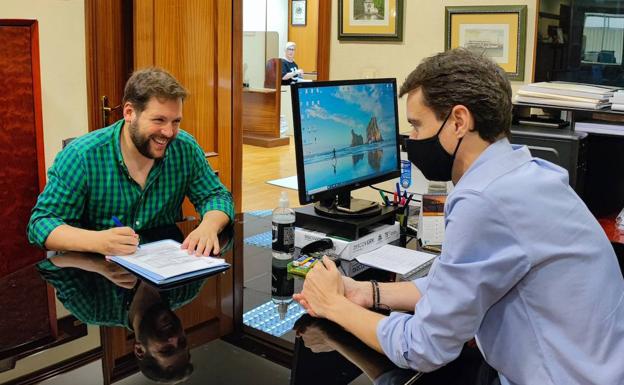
(29, 317)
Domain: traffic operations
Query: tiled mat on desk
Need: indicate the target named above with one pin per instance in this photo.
(266, 318)
(260, 213)
(261, 240)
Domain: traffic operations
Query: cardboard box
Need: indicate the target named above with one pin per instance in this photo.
(352, 268)
(347, 250)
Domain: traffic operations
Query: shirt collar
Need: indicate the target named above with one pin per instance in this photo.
(507, 156)
(116, 138)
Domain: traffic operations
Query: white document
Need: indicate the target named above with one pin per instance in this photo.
(395, 259)
(599, 128)
(167, 259)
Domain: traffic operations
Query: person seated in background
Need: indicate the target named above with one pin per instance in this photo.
(291, 73)
(137, 172)
(525, 267)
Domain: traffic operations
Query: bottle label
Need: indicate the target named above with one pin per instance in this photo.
(406, 173)
(282, 285)
(283, 237)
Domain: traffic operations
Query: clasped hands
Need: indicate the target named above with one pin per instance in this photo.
(324, 288)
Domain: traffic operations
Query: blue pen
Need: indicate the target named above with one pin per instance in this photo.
(398, 189)
(118, 223)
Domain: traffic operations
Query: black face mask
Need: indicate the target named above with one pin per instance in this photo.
(430, 157)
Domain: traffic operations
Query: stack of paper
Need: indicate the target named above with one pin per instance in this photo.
(563, 94)
(164, 263)
(396, 259)
(617, 101)
(600, 128)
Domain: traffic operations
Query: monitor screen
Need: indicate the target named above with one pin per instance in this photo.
(580, 41)
(346, 135)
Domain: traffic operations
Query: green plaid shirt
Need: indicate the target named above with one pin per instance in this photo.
(89, 183)
(95, 300)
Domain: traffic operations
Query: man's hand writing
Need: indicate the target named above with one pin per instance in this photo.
(116, 241)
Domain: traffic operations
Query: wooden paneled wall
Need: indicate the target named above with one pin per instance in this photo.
(193, 40)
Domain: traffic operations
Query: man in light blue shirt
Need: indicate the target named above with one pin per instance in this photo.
(525, 267)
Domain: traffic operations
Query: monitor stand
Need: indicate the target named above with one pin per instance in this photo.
(349, 227)
(347, 207)
(328, 219)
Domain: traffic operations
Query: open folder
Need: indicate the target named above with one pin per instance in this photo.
(164, 264)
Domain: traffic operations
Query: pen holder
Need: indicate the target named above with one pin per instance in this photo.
(401, 217)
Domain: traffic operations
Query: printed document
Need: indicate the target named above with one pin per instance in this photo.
(396, 259)
(163, 261)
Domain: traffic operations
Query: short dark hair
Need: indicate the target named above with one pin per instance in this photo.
(151, 82)
(459, 76)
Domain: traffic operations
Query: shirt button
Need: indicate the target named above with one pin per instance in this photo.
(137, 223)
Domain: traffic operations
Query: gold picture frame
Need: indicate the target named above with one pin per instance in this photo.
(370, 20)
(498, 32)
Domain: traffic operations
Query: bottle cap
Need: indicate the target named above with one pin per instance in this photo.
(283, 201)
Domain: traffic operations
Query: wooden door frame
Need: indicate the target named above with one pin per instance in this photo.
(324, 39)
(108, 32)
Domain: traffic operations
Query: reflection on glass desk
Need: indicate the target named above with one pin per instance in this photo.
(325, 354)
(268, 289)
(139, 325)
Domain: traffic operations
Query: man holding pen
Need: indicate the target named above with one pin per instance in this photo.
(138, 170)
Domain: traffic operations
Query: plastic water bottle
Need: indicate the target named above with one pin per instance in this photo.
(283, 245)
(283, 242)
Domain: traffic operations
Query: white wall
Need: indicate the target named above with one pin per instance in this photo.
(277, 20)
(260, 16)
(63, 66)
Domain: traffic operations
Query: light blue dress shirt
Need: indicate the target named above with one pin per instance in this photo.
(527, 269)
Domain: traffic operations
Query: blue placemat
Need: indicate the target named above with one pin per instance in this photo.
(260, 213)
(261, 240)
(266, 318)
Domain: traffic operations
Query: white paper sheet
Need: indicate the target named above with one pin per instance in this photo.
(395, 259)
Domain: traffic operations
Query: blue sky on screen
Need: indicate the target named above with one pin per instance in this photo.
(328, 114)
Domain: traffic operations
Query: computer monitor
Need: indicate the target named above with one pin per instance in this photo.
(346, 137)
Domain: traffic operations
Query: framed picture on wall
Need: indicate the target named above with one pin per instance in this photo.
(370, 20)
(498, 32)
(298, 15)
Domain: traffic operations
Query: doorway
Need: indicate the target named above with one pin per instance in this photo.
(268, 144)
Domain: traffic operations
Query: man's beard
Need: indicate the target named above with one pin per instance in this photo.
(142, 143)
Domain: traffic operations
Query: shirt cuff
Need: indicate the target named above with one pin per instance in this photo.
(391, 338)
(224, 205)
(40, 231)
